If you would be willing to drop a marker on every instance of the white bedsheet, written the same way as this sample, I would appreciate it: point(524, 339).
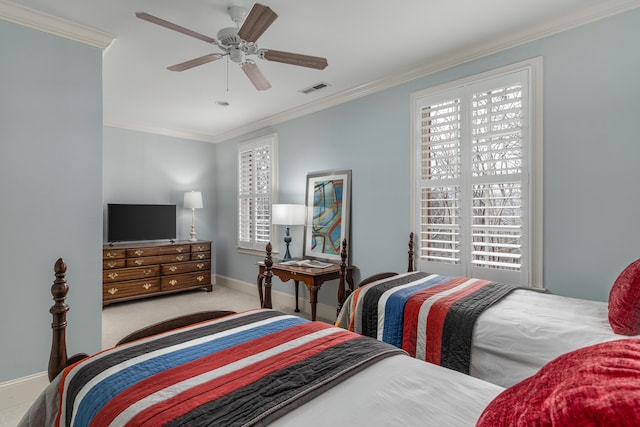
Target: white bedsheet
point(514, 338)
point(397, 391)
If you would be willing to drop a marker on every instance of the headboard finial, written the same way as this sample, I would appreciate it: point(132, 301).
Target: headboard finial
point(58, 358)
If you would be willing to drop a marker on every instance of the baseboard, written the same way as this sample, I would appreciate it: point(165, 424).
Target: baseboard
point(22, 390)
point(281, 299)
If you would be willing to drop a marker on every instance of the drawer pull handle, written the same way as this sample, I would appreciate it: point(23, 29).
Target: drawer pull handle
point(179, 250)
point(139, 262)
point(179, 257)
point(200, 266)
point(139, 252)
point(147, 286)
point(173, 282)
point(113, 276)
point(173, 269)
point(200, 256)
point(111, 254)
point(111, 264)
point(147, 271)
point(200, 248)
point(200, 278)
point(113, 291)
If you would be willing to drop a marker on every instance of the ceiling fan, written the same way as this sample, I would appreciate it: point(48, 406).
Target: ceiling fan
point(239, 43)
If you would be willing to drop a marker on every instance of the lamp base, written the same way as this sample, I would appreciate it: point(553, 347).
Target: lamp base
point(193, 226)
point(287, 240)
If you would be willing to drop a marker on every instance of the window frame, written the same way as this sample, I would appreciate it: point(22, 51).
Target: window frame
point(534, 243)
point(254, 246)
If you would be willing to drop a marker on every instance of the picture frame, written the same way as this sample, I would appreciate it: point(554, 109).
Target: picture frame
point(328, 203)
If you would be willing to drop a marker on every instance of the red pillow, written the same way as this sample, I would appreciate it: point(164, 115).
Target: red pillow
point(597, 385)
point(624, 301)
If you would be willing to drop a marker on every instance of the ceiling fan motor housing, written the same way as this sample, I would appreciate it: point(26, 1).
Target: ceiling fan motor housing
point(229, 36)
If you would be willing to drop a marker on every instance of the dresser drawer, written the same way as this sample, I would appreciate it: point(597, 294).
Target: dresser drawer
point(158, 250)
point(201, 247)
point(158, 259)
point(114, 263)
point(131, 288)
point(141, 270)
point(185, 267)
point(111, 253)
point(120, 274)
point(199, 256)
point(188, 280)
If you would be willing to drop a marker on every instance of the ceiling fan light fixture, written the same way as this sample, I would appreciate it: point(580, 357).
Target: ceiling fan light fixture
point(236, 55)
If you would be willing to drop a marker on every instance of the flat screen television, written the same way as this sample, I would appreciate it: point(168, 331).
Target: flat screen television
point(129, 222)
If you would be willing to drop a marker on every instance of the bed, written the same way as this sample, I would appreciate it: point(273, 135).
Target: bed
point(263, 367)
point(251, 368)
point(502, 335)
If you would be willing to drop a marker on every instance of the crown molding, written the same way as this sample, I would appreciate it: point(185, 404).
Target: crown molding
point(596, 12)
point(37, 20)
point(160, 131)
point(563, 23)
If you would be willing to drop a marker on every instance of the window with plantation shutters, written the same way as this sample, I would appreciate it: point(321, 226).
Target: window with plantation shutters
point(256, 187)
point(474, 176)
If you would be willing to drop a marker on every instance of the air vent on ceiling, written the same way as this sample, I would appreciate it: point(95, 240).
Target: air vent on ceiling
point(315, 88)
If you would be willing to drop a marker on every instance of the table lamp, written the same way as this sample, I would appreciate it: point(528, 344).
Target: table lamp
point(193, 201)
point(288, 215)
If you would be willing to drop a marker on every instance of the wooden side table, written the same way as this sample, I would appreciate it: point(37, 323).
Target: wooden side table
point(313, 278)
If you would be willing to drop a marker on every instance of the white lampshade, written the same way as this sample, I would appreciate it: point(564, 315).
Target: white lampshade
point(193, 200)
point(288, 214)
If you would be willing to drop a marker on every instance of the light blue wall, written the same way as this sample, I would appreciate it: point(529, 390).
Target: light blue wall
point(146, 168)
point(50, 187)
point(51, 169)
point(591, 206)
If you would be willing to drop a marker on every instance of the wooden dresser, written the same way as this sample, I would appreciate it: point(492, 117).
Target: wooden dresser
point(133, 271)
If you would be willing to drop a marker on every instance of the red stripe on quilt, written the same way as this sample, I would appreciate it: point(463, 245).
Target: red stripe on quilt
point(412, 311)
point(436, 316)
point(179, 405)
point(354, 304)
point(169, 409)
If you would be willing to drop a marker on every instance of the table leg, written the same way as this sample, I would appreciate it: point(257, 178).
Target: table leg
point(314, 301)
point(260, 278)
point(297, 310)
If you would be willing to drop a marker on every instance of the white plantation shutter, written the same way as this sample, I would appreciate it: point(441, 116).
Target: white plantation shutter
point(472, 207)
point(256, 187)
point(440, 182)
point(498, 147)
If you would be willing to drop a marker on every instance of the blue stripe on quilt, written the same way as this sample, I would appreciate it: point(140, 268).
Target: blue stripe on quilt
point(102, 392)
point(394, 309)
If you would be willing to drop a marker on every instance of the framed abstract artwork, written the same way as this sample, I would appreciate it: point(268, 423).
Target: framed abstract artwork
point(328, 202)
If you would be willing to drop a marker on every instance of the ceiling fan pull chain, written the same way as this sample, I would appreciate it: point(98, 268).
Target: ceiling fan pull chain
point(227, 73)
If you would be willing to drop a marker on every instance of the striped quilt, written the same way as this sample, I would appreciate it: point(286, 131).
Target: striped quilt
point(243, 369)
point(429, 316)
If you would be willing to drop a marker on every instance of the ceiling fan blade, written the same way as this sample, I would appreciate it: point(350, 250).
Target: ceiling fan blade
point(174, 27)
point(255, 75)
point(257, 22)
point(195, 62)
point(294, 59)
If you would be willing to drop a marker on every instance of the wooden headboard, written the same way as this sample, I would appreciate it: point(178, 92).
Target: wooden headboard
point(58, 359)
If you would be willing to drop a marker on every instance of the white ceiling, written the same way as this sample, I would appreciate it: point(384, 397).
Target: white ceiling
point(369, 44)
